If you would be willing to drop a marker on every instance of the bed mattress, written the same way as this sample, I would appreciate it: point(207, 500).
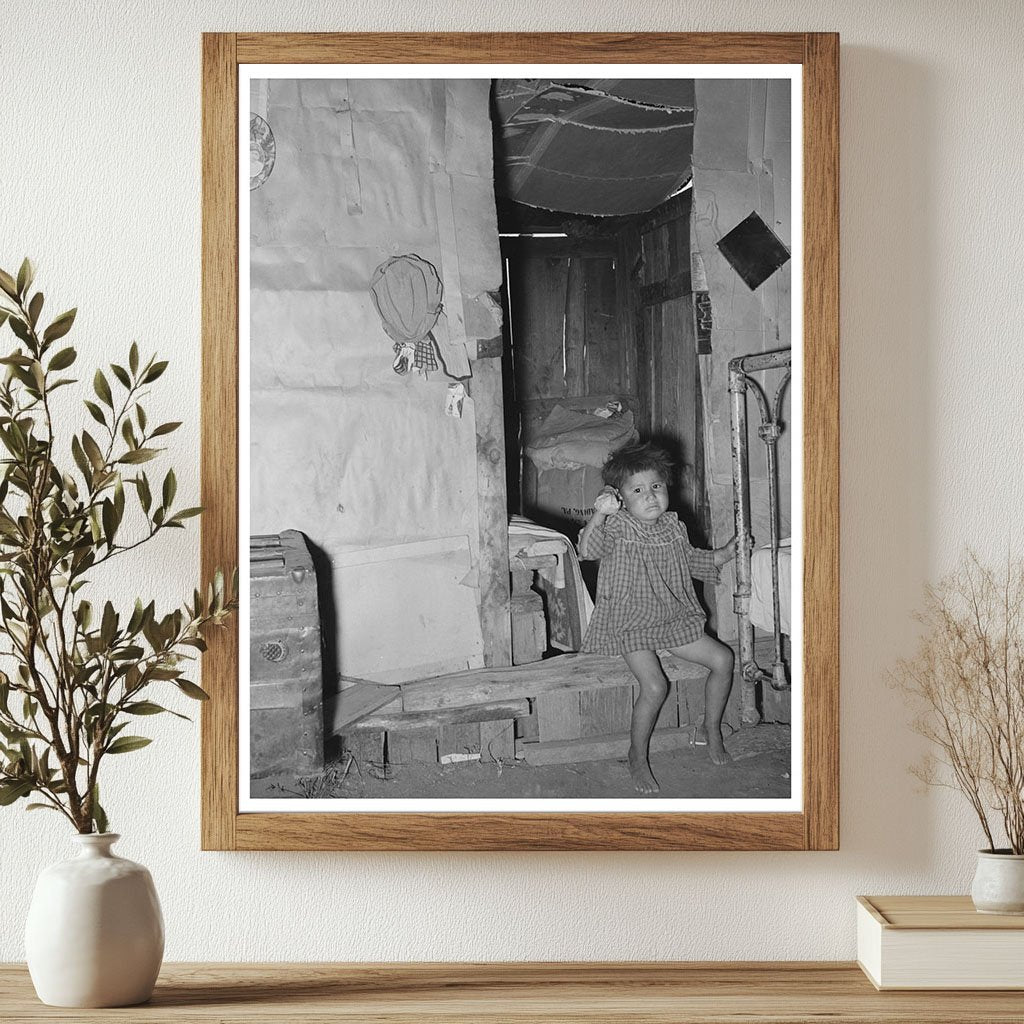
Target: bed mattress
point(761, 611)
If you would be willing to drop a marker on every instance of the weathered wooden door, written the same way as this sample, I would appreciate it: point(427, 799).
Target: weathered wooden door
point(566, 328)
point(668, 375)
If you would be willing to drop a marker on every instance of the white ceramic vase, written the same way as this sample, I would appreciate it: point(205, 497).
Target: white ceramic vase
point(999, 882)
point(95, 933)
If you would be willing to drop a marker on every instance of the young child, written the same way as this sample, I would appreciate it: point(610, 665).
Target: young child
point(645, 598)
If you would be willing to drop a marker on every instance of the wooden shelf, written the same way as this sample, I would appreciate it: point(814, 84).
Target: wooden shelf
point(699, 993)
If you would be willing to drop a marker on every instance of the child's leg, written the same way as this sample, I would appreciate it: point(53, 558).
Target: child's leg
point(719, 659)
point(653, 689)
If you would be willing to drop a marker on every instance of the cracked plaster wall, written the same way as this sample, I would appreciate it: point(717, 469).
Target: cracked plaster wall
point(741, 163)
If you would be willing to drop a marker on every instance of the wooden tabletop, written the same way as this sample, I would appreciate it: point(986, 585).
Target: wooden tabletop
point(793, 993)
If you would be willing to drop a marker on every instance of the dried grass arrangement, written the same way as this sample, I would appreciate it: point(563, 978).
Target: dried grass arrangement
point(967, 679)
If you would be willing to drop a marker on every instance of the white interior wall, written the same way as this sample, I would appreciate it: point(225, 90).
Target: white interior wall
point(342, 448)
point(741, 163)
point(101, 184)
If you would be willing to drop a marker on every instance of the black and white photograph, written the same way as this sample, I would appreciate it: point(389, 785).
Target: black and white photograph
point(520, 373)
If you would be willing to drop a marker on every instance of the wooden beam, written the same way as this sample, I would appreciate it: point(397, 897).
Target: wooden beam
point(473, 713)
point(597, 748)
point(495, 610)
point(560, 248)
point(673, 287)
point(675, 208)
point(355, 702)
point(574, 334)
point(564, 672)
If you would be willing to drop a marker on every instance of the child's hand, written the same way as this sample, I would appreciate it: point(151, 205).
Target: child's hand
point(726, 553)
point(607, 503)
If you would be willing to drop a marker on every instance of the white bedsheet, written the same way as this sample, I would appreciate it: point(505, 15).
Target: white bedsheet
point(761, 611)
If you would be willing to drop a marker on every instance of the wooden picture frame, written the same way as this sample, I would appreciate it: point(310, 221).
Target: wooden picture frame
point(816, 827)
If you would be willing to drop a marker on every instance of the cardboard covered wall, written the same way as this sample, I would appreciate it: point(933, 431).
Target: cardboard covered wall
point(741, 164)
point(358, 458)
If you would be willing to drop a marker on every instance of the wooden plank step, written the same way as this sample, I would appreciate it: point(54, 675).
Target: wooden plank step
point(355, 702)
point(473, 713)
point(498, 740)
point(564, 672)
point(412, 746)
point(596, 748)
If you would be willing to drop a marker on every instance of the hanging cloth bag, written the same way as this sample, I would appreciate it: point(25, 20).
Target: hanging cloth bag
point(407, 293)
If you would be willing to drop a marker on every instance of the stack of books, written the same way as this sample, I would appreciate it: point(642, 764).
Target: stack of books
point(938, 942)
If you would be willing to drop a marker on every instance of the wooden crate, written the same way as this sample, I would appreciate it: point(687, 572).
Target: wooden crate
point(286, 720)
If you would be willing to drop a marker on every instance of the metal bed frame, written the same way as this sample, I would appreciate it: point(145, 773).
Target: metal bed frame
point(769, 430)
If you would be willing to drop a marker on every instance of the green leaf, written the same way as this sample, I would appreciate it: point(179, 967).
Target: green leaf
point(99, 816)
point(133, 358)
point(14, 790)
point(128, 433)
point(95, 412)
point(102, 388)
point(108, 627)
point(138, 614)
point(144, 707)
point(170, 488)
point(60, 326)
point(83, 613)
point(154, 371)
point(109, 521)
point(191, 690)
point(80, 458)
point(139, 455)
point(185, 513)
point(121, 374)
point(125, 744)
point(129, 653)
point(170, 674)
point(26, 274)
point(41, 807)
point(119, 499)
point(140, 415)
point(92, 449)
point(8, 284)
point(145, 498)
point(63, 359)
point(20, 329)
point(165, 428)
point(34, 308)
point(12, 733)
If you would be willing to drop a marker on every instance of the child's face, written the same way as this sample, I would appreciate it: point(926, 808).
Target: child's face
point(645, 495)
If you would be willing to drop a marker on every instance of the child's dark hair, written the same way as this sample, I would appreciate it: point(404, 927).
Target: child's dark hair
point(636, 457)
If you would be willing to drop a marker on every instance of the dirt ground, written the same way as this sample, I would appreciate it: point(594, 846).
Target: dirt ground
point(760, 769)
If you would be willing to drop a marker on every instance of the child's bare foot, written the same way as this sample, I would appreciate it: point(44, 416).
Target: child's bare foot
point(643, 779)
point(714, 742)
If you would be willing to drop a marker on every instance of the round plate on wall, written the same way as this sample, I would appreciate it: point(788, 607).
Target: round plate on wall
point(262, 151)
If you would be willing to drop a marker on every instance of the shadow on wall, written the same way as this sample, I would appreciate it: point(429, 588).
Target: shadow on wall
point(325, 598)
point(889, 263)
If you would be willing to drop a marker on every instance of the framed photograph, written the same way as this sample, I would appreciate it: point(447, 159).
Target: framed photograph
point(520, 420)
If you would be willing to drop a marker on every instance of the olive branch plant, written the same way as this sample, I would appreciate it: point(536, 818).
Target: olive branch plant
point(79, 673)
point(967, 682)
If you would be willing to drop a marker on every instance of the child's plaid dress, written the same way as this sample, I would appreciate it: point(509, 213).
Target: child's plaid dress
point(645, 597)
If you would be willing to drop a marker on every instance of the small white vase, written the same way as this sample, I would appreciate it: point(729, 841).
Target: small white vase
point(95, 933)
point(999, 882)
